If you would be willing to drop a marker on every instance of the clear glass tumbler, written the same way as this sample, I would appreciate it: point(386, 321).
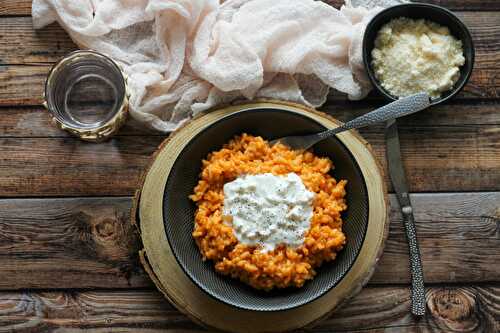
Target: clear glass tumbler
point(86, 93)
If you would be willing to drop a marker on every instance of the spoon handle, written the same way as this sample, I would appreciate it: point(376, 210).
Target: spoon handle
point(396, 109)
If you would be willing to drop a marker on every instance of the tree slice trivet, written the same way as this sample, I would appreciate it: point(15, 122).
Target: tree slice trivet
point(162, 266)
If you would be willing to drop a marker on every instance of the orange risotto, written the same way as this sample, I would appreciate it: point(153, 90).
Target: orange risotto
point(284, 266)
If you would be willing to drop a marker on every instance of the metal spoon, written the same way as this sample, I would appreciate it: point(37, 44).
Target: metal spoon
point(399, 108)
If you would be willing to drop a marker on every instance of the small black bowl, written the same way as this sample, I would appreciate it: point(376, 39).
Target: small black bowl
point(269, 123)
point(432, 13)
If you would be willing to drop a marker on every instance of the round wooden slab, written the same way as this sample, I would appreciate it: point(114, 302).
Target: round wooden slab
point(169, 277)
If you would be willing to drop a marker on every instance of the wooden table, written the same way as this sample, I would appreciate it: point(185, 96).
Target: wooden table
point(68, 255)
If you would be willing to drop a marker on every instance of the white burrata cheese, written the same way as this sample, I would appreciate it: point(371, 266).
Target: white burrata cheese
point(268, 210)
point(412, 56)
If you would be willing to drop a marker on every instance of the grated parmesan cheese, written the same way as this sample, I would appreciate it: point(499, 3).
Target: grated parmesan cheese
point(412, 56)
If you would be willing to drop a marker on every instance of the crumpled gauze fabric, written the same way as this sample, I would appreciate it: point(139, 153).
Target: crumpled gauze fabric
point(186, 56)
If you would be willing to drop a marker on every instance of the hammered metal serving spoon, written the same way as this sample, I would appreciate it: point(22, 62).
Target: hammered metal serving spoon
point(396, 109)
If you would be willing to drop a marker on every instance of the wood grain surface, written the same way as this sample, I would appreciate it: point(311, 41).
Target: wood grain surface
point(15, 7)
point(70, 244)
point(42, 46)
point(451, 158)
point(87, 242)
point(23, 85)
point(49, 44)
point(69, 167)
point(447, 148)
point(451, 309)
point(35, 122)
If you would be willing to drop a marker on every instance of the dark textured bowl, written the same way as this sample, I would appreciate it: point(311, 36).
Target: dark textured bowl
point(269, 123)
point(433, 13)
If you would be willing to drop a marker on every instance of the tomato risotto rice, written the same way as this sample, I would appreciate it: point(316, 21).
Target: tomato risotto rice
point(284, 266)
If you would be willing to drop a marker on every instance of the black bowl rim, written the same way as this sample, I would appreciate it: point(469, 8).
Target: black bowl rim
point(283, 308)
point(437, 8)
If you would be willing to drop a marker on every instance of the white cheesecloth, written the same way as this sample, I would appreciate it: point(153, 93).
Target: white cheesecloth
point(186, 56)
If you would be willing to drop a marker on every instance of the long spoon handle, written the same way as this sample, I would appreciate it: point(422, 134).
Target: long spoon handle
point(396, 109)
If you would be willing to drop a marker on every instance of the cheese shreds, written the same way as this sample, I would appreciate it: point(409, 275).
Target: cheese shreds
point(412, 56)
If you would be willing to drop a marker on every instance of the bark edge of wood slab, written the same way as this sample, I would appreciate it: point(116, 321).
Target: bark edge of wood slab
point(160, 262)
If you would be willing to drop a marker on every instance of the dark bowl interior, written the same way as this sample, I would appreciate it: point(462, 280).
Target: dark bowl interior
point(178, 210)
point(433, 13)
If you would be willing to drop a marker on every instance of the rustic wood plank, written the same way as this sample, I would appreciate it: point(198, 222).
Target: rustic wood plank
point(21, 85)
point(21, 44)
point(452, 229)
point(88, 242)
point(15, 7)
point(84, 242)
point(457, 309)
point(23, 7)
point(452, 158)
point(455, 113)
point(450, 309)
point(35, 121)
point(69, 167)
point(437, 159)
